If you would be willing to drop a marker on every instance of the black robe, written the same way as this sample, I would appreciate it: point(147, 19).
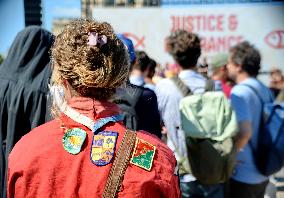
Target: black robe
point(24, 98)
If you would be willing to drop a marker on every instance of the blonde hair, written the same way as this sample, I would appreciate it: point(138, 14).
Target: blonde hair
point(92, 71)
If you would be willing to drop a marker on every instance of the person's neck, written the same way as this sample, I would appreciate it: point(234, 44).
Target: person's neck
point(136, 72)
point(242, 77)
point(148, 80)
point(189, 69)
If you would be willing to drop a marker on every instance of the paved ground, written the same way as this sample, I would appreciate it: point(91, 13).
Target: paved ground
point(275, 188)
point(280, 184)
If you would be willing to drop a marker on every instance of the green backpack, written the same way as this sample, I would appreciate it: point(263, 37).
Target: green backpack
point(209, 124)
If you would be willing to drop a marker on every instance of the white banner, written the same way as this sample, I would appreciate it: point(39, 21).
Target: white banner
point(219, 26)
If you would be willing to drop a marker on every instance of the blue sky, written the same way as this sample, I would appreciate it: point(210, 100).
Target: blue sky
point(12, 17)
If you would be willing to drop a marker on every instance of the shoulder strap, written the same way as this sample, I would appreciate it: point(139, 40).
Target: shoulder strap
point(129, 94)
point(271, 98)
point(119, 165)
point(181, 86)
point(255, 92)
point(210, 85)
point(137, 94)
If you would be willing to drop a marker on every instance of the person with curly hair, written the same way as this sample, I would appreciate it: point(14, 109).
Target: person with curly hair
point(86, 151)
point(243, 67)
point(185, 49)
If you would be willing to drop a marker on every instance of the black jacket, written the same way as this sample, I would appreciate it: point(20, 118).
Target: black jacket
point(24, 78)
point(148, 112)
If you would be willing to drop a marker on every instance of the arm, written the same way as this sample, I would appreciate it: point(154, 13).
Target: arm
point(166, 166)
point(244, 117)
point(15, 182)
point(244, 134)
point(169, 110)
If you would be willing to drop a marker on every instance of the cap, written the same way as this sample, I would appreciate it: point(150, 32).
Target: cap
point(219, 60)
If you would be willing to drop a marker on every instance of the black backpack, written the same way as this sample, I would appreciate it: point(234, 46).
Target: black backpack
point(126, 98)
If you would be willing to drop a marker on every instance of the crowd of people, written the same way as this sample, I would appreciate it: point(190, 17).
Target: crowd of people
point(85, 115)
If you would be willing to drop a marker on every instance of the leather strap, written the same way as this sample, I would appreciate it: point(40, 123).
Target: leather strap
point(181, 86)
point(209, 86)
point(120, 164)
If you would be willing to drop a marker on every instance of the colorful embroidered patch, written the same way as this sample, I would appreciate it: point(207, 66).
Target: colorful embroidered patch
point(143, 154)
point(103, 147)
point(73, 140)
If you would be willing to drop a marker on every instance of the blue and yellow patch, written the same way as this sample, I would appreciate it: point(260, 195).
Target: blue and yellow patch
point(103, 147)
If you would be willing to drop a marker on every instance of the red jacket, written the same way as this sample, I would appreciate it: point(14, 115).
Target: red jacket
point(40, 167)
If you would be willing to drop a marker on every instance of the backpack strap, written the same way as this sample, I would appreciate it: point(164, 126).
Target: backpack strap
point(119, 165)
point(129, 94)
point(135, 92)
point(181, 86)
point(209, 85)
point(257, 93)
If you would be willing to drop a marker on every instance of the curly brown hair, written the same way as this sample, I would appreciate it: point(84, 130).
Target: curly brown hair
point(92, 70)
point(246, 55)
point(184, 47)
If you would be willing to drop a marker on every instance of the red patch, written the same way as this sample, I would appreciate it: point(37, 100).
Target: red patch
point(142, 147)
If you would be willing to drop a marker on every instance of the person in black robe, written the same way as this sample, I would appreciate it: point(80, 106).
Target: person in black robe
point(24, 93)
